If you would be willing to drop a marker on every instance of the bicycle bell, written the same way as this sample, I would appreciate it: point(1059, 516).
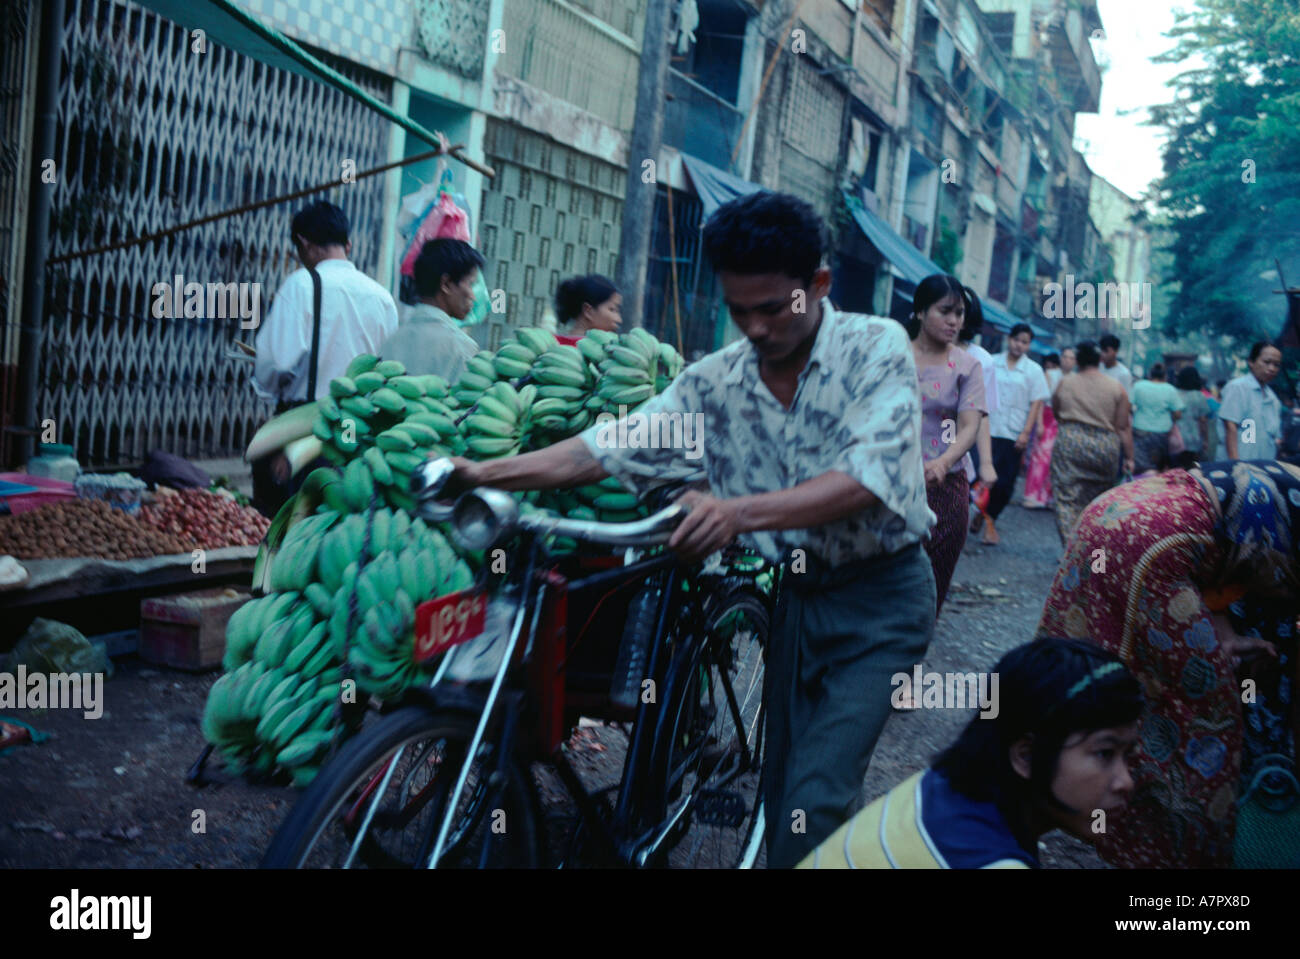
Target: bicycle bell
point(483, 517)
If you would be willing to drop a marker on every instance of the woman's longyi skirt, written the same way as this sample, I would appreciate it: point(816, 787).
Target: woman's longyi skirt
point(950, 501)
point(1085, 460)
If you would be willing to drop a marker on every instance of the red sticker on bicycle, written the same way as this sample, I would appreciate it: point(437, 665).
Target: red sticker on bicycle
point(449, 621)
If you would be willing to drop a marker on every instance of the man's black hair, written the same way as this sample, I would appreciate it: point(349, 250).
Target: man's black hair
point(1087, 355)
point(1110, 342)
point(1157, 372)
point(444, 257)
point(1054, 358)
point(321, 223)
point(766, 232)
point(1020, 328)
point(1188, 379)
point(1049, 689)
point(1258, 348)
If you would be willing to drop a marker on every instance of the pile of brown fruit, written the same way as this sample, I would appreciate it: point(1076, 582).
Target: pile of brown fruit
point(84, 527)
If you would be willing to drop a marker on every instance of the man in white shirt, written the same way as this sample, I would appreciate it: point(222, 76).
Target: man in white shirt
point(429, 341)
point(1251, 411)
point(1022, 390)
point(1110, 364)
point(356, 316)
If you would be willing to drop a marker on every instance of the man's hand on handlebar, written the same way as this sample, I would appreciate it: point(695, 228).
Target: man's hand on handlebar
point(710, 524)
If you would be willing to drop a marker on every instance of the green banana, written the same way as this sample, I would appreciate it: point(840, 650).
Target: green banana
point(390, 401)
point(539, 341)
point(392, 441)
point(510, 369)
point(379, 469)
point(367, 382)
point(390, 368)
point(363, 363)
point(342, 386)
point(492, 446)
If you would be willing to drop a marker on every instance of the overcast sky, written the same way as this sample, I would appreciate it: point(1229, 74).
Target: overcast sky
point(1114, 141)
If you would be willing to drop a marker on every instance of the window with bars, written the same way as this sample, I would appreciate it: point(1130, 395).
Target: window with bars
point(813, 116)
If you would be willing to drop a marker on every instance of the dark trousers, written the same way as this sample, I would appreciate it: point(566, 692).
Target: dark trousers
point(1006, 462)
point(838, 638)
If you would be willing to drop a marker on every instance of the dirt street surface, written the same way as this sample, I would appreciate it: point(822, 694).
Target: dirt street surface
point(111, 792)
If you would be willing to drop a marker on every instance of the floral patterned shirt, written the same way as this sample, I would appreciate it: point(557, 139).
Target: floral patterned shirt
point(856, 409)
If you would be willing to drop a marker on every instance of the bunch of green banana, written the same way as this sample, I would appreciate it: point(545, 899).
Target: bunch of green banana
point(478, 377)
point(256, 712)
point(565, 406)
point(415, 564)
point(496, 425)
point(608, 501)
point(629, 372)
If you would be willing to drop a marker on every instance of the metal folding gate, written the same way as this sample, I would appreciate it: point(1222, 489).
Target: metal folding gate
point(152, 134)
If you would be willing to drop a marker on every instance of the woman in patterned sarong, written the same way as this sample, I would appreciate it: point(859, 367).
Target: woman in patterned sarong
point(1183, 575)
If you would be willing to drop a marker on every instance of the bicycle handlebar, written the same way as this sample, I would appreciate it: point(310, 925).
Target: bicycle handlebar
point(485, 514)
point(651, 531)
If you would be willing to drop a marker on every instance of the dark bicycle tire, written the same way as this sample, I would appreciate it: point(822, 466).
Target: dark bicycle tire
point(682, 769)
point(315, 824)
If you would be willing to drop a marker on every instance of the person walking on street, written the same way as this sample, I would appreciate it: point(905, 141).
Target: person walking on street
point(979, 459)
point(1022, 390)
point(1038, 480)
point(585, 303)
point(1194, 424)
point(814, 419)
point(430, 342)
point(1251, 412)
point(1156, 406)
point(1092, 411)
point(356, 315)
point(952, 406)
point(1110, 364)
point(1069, 363)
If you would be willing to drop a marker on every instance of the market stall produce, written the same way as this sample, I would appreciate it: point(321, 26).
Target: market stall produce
point(344, 566)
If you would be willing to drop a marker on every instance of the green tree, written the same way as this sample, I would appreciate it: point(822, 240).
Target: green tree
point(1230, 194)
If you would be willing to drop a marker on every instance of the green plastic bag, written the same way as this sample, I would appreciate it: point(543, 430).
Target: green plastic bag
point(49, 646)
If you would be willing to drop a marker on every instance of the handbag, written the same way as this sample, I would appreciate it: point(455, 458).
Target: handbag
point(1268, 817)
point(1176, 444)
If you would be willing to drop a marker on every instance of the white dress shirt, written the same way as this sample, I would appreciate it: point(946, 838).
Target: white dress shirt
point(1019, 386)
point(356, 316)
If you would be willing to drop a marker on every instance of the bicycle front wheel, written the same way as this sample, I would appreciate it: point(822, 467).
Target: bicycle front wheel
point(382, 800)
point(715, 760)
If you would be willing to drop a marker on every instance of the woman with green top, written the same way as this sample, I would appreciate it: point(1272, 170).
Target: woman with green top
point(1156, 404)
point(1194, 424)
point(1055, 756)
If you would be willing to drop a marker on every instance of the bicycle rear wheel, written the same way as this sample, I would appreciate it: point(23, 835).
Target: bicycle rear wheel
point(715, 760)
point(380, 802)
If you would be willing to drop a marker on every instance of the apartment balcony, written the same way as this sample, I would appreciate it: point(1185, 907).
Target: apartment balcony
point(699, 122)
point(1072, 59)
point(573, 56)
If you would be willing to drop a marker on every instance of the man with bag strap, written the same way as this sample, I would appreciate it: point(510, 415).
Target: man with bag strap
point(323, 316)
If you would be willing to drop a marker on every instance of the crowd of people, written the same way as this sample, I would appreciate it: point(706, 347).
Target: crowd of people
point(861, 443)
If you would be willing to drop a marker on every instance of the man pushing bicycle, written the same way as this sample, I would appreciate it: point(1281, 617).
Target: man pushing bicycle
point(813, 455)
